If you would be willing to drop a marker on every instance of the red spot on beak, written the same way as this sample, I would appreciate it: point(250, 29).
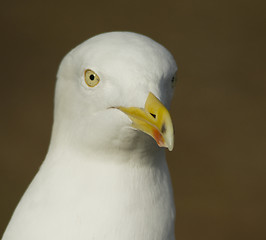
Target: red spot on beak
point(158, 137)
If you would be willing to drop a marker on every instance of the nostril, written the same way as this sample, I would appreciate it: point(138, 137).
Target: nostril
point(154, 115)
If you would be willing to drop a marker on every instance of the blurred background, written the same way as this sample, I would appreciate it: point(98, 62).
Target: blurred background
point(218, 165)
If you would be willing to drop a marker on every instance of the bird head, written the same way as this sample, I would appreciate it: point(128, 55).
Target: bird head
point(114, 90)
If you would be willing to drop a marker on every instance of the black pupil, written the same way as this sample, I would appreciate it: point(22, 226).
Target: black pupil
point(92, 77)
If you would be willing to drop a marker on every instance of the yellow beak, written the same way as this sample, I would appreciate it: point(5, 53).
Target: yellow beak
point(153, 120)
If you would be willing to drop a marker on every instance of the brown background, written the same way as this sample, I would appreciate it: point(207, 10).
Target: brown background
point(218, 165)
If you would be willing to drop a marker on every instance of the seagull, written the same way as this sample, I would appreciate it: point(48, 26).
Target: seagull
point(105, 176)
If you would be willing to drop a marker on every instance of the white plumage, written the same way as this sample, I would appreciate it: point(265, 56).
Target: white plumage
point(102, 177)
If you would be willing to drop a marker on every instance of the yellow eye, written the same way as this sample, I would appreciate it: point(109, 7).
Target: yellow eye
point(91, 78)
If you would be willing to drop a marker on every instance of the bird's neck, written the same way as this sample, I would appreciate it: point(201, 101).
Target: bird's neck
point(137, 156)
point(96, 190)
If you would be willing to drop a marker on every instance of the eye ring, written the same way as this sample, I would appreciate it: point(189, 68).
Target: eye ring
point(91, 78)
